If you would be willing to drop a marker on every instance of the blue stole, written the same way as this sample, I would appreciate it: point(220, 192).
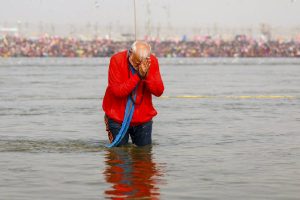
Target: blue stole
point(127, 116)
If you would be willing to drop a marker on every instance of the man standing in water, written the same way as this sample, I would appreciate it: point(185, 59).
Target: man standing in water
point(133, 76)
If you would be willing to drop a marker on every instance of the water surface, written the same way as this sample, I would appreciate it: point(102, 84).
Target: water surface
point(226, 129)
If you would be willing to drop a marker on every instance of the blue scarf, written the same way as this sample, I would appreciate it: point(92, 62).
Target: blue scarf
point(127, 116)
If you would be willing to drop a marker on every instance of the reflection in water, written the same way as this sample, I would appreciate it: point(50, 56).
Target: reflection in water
point(132, 173)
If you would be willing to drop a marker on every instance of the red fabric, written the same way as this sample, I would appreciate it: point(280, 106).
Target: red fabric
point(121, 83)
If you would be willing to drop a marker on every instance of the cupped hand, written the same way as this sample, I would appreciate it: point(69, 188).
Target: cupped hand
point(144, 67)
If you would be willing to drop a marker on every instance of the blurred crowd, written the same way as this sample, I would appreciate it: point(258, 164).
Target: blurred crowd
point(239, 46)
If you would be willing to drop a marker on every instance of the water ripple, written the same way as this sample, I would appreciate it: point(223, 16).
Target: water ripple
point(50, 146)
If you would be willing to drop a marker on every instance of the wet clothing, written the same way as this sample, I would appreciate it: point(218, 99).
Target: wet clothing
point(140, 134)
point(121, 83)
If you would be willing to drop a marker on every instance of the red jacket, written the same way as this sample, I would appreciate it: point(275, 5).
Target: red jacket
point(121, 82)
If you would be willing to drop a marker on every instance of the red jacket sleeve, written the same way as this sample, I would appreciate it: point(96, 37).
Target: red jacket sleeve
point(116, 83)
point(154, 81)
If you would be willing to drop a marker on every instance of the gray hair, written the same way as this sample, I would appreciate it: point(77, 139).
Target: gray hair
point(142, 53)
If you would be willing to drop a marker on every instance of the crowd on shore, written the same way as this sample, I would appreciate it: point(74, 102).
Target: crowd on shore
point(239, 46)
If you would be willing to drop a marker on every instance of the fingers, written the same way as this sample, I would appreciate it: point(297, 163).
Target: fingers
point(146, 62)
point(144, 66)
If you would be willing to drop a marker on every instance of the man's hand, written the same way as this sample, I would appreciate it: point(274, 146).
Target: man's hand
point(144, 67)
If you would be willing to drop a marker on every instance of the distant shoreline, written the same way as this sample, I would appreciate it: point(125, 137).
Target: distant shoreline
point(205, 46)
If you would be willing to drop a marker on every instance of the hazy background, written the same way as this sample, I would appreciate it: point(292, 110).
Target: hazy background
point(155, 17)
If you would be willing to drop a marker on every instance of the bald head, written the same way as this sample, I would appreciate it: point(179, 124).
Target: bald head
point(141, 49)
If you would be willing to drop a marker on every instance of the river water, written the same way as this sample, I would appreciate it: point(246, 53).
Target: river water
point(226, 129)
